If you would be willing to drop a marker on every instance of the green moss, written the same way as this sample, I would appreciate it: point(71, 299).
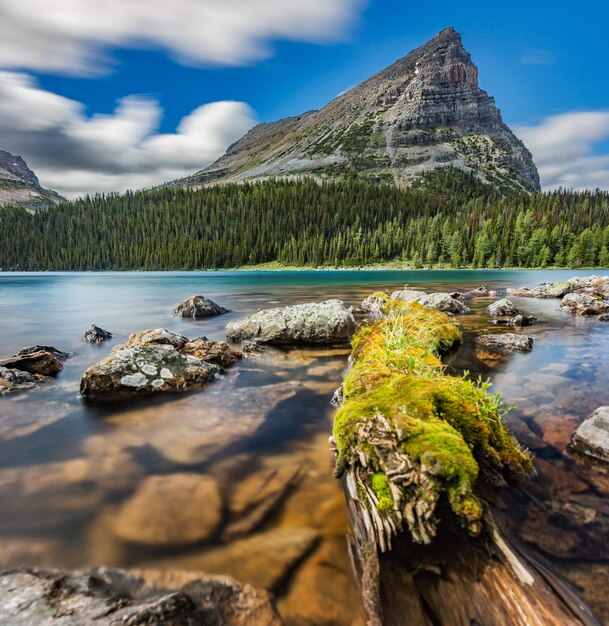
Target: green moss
point(382, 490)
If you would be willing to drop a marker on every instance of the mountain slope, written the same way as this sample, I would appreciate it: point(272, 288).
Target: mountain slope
point(19, 185)
point(424, 111)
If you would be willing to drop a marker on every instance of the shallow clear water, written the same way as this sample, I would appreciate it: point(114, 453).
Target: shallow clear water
point(67, 470)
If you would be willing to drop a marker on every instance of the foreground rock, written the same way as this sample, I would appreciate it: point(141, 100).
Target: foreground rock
point(95, 334)
point(179, 509)
point(592, 437)
point(108, 597)
point(583, 304)
point(517, 320)
point(507, 341)
point(502, 307)
point(41, 363)
point(198, 306)
point(326, 322)
point(155, 361)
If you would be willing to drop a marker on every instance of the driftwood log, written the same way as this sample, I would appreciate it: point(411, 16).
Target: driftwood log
point(424, 547)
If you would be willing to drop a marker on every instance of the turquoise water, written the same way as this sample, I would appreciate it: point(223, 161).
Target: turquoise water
point(66, 468)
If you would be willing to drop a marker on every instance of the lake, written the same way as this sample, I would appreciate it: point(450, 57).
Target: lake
point(69, 471)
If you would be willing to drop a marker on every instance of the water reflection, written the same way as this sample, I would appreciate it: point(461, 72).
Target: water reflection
point(69, 473)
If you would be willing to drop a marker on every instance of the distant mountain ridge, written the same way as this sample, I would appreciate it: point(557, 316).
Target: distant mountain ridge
point(424, 111)
point(19, 184)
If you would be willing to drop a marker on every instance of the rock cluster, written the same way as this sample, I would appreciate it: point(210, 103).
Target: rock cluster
point(155, 361)
point(198, 306)
point(326, 322)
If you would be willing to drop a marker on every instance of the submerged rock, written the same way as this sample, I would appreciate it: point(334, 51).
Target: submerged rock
point(501, 308)
point(198, 306)
point(41, 363)
point(155, 361)
point(583, 304)
point(95, 334)
point(592, 436)
point(517, 320)
point(178, 509)
point(508, 341)
point(108, 597)
point(326, 322)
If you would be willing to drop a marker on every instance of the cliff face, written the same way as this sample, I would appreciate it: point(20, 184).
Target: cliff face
point(19, 185)
point(424, 111)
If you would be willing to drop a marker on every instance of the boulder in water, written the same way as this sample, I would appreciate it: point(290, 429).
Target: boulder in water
point(517, 320)
point(41, 363)
point(583, 304)
point(95, 334)
point(604, 317)
point(508, 341)
point(443, 302)
point(198, 306)
point(592, 436)
point(501, 308)
point(408, 295)
point(326, 322)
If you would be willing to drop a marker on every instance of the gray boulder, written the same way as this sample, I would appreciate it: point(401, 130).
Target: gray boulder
point(501, 308)
point(326, 322)
point(95, 334)
point(408, 295)
point(108, 597)
point(507, 341)
point(583, 304)
point(517, 320)
point(16, 380)
point(198, 306)
point(374, 303)
point(592, 436)
point(156, 361)
point(545, 290)
point(443, 302)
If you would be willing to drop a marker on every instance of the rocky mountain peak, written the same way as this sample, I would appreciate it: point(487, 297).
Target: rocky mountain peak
point(424, 111)
point(13, 165)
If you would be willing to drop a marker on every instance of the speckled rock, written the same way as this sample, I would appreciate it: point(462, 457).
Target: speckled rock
point(583, 304)
point(326, 322)
point(198, 306)
point(153, 361)
point(178, 509)
point(16, 380)
point(502, 307)
point(108, 597)
point(508, 341)
point(218, 352)
point(443, 302)
point(592, 436)
point(95, 334)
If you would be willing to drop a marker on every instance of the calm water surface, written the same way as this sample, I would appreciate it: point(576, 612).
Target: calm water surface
point(68, 471)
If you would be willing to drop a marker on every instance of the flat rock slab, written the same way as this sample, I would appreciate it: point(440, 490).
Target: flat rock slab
point(178, 509)
point(507, 341)
point(198, 306)
point(326, 322)
point(592, 436)
point(107, 597)
point(584, 304)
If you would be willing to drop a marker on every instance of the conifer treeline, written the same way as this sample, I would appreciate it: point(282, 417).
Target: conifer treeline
point(446, 218)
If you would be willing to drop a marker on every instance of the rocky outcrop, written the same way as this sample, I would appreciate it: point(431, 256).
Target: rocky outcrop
point(583, 304)
point(595, 284)
point(592, 436)
point(507, 341)
point(502, 308)
point(18, 184)
point(155, 361)
point(108, 597)
point(423, 112)
point(198, 306)
point(95, 334)
point(172, 510)
point(326, 322)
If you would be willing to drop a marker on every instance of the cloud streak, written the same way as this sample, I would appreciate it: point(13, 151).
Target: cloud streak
point(563, 149)
point(74, 36)
point(75, 154)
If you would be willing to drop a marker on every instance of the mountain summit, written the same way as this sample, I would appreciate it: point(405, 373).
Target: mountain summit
point(424, 111)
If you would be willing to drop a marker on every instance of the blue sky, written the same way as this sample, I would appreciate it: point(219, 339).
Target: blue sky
point(544, 62)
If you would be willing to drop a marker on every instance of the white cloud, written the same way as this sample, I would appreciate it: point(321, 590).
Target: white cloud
point(75, 154)
point(74, 36)
point(563, 149)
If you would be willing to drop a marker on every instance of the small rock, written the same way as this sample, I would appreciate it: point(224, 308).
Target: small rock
point(198, 306)
point(604, 317)
point(508, 341)
point(327, 322)
point(478, 292)
point(95, 334)
point(41, 363)
point(582, 304)
point(592, 436)
point(517, 320)
point(501, 308)
point(178, 509)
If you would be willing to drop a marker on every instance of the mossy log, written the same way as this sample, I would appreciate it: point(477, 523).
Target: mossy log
point(416, 450)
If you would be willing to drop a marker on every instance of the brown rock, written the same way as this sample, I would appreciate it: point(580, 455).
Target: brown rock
point(178, 509)
point(41, 363)
point(217, 352)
